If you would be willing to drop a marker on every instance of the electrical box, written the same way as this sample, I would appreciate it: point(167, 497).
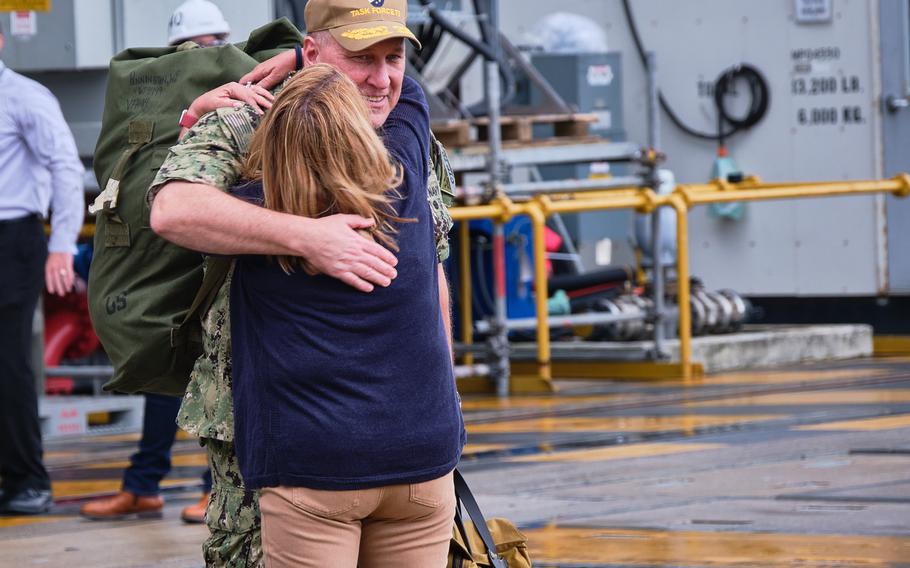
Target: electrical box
point(591, 82)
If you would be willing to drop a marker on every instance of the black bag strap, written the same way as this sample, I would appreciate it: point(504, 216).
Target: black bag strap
point(215, 275)
point(458, 557)
point(466, 498)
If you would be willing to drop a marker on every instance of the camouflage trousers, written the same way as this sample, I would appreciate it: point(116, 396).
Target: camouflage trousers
point(235, 536)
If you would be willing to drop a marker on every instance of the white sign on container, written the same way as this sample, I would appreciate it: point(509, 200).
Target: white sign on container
point(814, 11)
point(23, 24)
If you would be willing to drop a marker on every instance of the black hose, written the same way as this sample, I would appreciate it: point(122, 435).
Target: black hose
point(757, 86)
point(759, 98)
point(448, 26)
point(483, 49)
point(482, 23)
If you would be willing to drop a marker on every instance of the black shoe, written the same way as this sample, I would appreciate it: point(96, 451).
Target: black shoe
point(28, 502)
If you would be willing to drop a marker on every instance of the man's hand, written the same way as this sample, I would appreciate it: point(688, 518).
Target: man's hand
point(232, 95)
point(337, 250)
point(202, 217)
point(58, 273)
point(272, 71)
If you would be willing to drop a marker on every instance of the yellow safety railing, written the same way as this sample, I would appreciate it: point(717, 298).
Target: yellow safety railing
point(683, 198)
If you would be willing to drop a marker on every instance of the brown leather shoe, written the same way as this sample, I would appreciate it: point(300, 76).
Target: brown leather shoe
point(121, 506)
point(195, 513)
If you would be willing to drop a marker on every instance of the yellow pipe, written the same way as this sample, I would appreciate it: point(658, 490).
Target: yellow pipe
point(467, 315)
point(493, 210)
point(682, 278)
point(698, 194)
point(637, 201)
point(593, 194)
point(644, 201)
point(539, 223)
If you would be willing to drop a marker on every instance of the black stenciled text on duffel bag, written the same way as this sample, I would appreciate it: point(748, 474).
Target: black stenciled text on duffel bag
point(145, 294)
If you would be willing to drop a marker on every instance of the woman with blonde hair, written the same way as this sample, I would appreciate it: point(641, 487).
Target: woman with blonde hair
point(346, 412)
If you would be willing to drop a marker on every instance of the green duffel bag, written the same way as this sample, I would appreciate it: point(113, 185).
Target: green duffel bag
point(479, 543)
point(146, 294)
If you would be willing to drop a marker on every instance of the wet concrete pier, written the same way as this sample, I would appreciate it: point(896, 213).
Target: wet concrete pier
point(803, 466)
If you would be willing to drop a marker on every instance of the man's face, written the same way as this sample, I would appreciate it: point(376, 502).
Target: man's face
point(377, 71)
point(208, 40)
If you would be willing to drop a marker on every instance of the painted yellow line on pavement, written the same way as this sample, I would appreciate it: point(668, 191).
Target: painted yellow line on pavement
point(56, 456)
point(134, 437)
point(84, 487)
point(614, 423)
point(866, 396)
point(714, 549)
point(197, 459)
point(9, 522)
point(542, 402)
point(864, 424)
point(88, 487)
point(784, 377)
point(628, 451)
point(478, 448)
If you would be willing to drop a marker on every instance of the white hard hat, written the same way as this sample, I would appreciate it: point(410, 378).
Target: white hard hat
point(195, 18)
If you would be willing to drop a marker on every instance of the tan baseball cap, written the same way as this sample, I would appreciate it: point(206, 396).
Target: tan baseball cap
point(358, 24)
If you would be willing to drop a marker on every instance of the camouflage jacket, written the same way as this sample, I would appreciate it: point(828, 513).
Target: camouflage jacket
point(211, 153)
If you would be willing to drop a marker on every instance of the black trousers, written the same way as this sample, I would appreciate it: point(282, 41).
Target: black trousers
point(152, 462)
point(23, 252)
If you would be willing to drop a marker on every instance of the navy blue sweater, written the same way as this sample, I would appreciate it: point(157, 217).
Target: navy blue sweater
point(338, 389)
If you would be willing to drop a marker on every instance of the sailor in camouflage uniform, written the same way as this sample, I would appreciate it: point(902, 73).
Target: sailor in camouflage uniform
point(211, 153)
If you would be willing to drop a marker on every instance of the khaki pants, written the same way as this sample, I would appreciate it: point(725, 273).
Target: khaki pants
point(391, 526)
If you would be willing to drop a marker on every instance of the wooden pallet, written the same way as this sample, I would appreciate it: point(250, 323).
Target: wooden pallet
point(458, 133)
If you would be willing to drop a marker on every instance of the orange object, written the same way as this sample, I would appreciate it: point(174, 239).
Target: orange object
point(195, 513)
point(121, 506)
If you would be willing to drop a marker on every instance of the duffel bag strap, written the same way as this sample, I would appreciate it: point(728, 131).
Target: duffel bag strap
point(140, 134)
point(215, 275)
point(466, 498)
point(458, 557)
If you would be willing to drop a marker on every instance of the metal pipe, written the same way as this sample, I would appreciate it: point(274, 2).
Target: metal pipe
point(494, 99)
point(494, 210)
point(465, 371)
point(80, 371)
point(119, 24)
point(574, 185)
point(501, 341)
point(653, 105)
point(700, 194)
point(473, 160)
point(658, 285)
point(636, 201)
point(475, 348)
point(523, 324)
point(656, 260)
point(563, 232)
point(682, 198)
point(465, 288)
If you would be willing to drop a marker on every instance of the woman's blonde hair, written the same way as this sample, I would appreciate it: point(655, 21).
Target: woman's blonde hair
point(317, 154)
